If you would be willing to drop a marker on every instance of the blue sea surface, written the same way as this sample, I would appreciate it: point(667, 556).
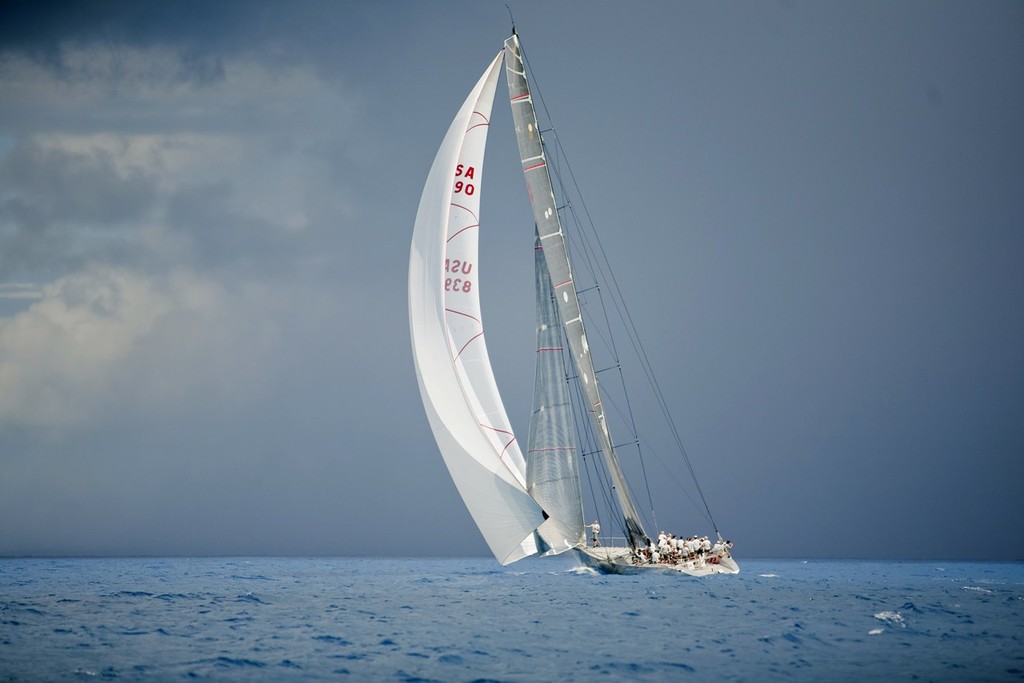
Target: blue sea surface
point(281, 619)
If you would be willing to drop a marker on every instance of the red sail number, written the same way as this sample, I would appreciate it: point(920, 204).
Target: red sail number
point(461, 186)
point(457, 285)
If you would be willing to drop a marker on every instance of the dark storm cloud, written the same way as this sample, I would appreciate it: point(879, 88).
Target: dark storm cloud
point(43, 25)
point(277, 31)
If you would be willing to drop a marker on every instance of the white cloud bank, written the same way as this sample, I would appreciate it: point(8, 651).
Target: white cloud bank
point(108, 341)
point(160, 208)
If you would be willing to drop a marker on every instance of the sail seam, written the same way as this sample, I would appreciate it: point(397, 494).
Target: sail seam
point(477, 125)
point(465, 208)
point(500, 431)
point(467, 315)
point(472, 339)
point(475, 225)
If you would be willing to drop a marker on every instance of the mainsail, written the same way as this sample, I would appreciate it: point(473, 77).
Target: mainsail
point(456, 383)
point(549, 227)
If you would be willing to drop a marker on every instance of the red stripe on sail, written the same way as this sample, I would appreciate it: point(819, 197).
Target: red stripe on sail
point(475, 225)
point(501, 431)
point(477, 125)
point(475, 337)
point(467, 209)
point(467, 315)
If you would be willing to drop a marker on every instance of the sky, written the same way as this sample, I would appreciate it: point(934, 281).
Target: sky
point(814, 210)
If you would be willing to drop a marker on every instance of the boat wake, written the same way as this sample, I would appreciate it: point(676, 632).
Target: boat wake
point(583, 571)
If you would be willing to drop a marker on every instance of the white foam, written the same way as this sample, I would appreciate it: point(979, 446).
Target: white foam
point(894, 618)
point(582, 570)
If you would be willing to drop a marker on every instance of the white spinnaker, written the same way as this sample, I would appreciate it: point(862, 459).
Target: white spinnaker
point(456, 383)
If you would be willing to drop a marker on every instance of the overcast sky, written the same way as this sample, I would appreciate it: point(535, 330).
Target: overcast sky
point(816, 211)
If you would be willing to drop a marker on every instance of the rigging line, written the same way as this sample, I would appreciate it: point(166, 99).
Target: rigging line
point(675, 479)
point(590, 484)
point(609, 399)
point(536, 91)
point(603, 332)
point(587, 445)
point(629, 405)
point(634, 338)
point(609, 501)
point(593, 266)
point(592, 449)
point(571, 242)
point(559, 149)
point(610, 453)
point(639, 450)
point(534, 85)
point(642, 444)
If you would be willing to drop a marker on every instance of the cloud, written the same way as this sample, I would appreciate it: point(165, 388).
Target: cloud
point(19, 290)
point(110, 341)
point(172, 208)
point(141, 162)
point(102, 86)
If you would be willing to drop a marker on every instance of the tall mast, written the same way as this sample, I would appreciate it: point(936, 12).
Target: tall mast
point(549, 227)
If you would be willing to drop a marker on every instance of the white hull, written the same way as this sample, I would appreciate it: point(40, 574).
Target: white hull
point(620, 560)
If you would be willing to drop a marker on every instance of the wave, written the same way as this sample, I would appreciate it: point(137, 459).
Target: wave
point(892, 618)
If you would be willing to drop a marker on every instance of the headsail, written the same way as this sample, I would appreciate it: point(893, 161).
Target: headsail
point(538, 181)
point(455, 378)
point(552, 461)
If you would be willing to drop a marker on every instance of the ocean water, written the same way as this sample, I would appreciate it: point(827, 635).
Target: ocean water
point(284, 619)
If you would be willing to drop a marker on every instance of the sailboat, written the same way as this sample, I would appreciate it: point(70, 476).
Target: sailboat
point(524, 504)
